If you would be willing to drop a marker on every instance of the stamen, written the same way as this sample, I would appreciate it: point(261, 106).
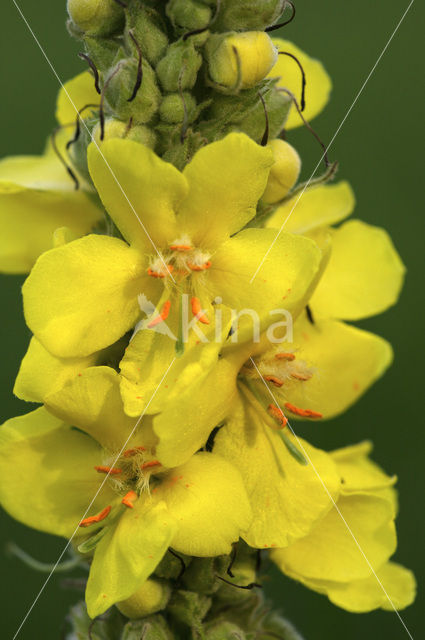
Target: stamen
point(197, 267)
point(162, 316)
point(303, 377)
point(111, 470)
point(160, 274)
point(197, 310)
point(87, 522)
point(278, 414)
point(274, 380)
point(129, 498)
point(303, 413)
point(150, 464)
point(132, 452)
point(285, 356)
point(181, 247)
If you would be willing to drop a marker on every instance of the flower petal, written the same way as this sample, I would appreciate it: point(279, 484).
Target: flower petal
point(318, 206)
point(287, 498)
point(364, 275)
point(82, 297)
point(185, 424)
point(337, 548)
point(344, 361)
point(283, 282)
point(74, 95)
point(42, 373)
point(36, 197)
point(127, 554)
point(318, 82)
point(47, 475)
point(92, 402)
point(140, 191)
point(151, 371)
point(226, 180)
point(207, 498)
point(358, 472)
point(398, 589)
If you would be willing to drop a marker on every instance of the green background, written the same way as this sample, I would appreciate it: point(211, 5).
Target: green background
point(380, 152)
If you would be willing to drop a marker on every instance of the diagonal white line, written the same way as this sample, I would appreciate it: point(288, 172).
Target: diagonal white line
point(333, 138)
point(91, 503)
point(91, 136)
point(332, 500)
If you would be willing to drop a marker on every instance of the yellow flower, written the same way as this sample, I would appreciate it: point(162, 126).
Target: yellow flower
point(318, 86)
point(50, 472)
point(328, 559)
point(37, 196)
point(83, 296)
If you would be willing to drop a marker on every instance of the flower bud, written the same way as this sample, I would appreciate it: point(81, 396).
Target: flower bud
point(150, 598)
point(118, 129)
point(96, 17)
point(120, 87)
point(284, 172)
point(223, 629)
point(188, 14)
point(146, 26)
point(244, 15)
point(240, 60)
point(174, 108)
point(179, 68)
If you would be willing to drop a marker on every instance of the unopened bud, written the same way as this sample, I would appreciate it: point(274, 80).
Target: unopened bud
point(96, 17)
point(120, 88)
point(146, 25)
point(244, 15)
point(150, 598)
point(118, 129)
point(222, 629)
point(177, 107)
point(178, 70)
point(240, 60)
point(188, 14)
point(151, 628)
point(284, 172)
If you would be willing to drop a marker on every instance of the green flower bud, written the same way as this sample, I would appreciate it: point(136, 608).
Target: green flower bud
point(118, 129)
point(188, 607)
point(179, 68)
point(175, 107)
point(277, 106)
point(284, 173)
point(223, 630)
point(96, 17)
point(120, 87)
point(152, 628)
point(103, 52)
point(188, 15)
point(201, 575)
point(240, 60)
point(244, 15)
point(151, 597)
point(170, 567)
point(146, 26)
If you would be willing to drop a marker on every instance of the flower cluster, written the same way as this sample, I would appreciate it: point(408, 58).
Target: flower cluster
point(189, 305)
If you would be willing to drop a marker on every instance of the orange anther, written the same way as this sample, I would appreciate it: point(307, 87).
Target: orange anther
point(151, 463)
point(303, 377)
point(160, 274)
point(303, 413)
point(87, 522)
point(162, 316)
point(129, 498)
point(180, 247)
point(197, 267)
point(278, 415)
point(275, 380)
point(197, 309)
point(132, 452)
point(285, 356)
point(111, 470)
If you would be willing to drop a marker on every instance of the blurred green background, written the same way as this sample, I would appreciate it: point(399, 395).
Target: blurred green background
point(381, 153)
